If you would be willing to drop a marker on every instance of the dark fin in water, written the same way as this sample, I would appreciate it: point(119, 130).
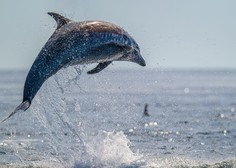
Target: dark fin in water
point(145, 112)
point(61, 20)
point(23, 106)
point(99, 67)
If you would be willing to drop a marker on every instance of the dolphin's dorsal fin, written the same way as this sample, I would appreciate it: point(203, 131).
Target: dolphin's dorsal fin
point(99, 67)
point(61, 20)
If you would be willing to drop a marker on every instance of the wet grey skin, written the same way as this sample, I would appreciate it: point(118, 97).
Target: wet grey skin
point(75, 43)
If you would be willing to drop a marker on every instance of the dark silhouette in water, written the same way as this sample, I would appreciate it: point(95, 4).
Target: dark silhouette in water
point(75, 43)
point(145, 112)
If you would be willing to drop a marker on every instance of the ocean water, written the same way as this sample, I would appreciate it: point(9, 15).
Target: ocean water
point(80, 120)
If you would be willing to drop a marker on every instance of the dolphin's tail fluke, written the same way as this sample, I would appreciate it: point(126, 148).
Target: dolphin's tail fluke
point(23, 106)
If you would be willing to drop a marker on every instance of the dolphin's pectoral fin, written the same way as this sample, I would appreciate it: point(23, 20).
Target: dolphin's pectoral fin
point(23, 106)
point(99, 67)
point(61, 20)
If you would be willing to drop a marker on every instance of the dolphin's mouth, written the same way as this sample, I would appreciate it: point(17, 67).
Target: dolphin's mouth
point(141, 61)
point(137, 58)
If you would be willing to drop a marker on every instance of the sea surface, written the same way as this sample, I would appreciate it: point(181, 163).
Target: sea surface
point(79, 120)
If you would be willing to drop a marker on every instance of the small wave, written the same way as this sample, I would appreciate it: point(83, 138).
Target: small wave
point(178, 162)
point(110, 149)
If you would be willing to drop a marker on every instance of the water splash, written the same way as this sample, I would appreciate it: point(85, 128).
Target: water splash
point(110, 149)
point(59, 124)
point(63, 128)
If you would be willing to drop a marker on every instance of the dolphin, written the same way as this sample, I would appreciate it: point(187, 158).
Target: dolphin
point(75, 43)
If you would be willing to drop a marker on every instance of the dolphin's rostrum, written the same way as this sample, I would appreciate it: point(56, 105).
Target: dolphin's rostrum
point(75, 43)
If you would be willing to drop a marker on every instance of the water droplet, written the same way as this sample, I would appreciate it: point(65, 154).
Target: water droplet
point(232, 109)
point(131, 130)
point(3, 144)
point(225, 132)
point(222, 115)
point(22, 144)
point(164, 132)
point(151, 124)
point(186, 90)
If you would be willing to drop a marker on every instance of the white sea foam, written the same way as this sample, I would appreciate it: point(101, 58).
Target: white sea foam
point(110, 149)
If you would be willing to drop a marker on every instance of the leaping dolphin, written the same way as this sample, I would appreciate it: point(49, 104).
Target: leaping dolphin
point(75, 43)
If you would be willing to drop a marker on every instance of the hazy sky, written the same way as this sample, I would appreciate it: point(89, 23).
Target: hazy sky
point(170, 33)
